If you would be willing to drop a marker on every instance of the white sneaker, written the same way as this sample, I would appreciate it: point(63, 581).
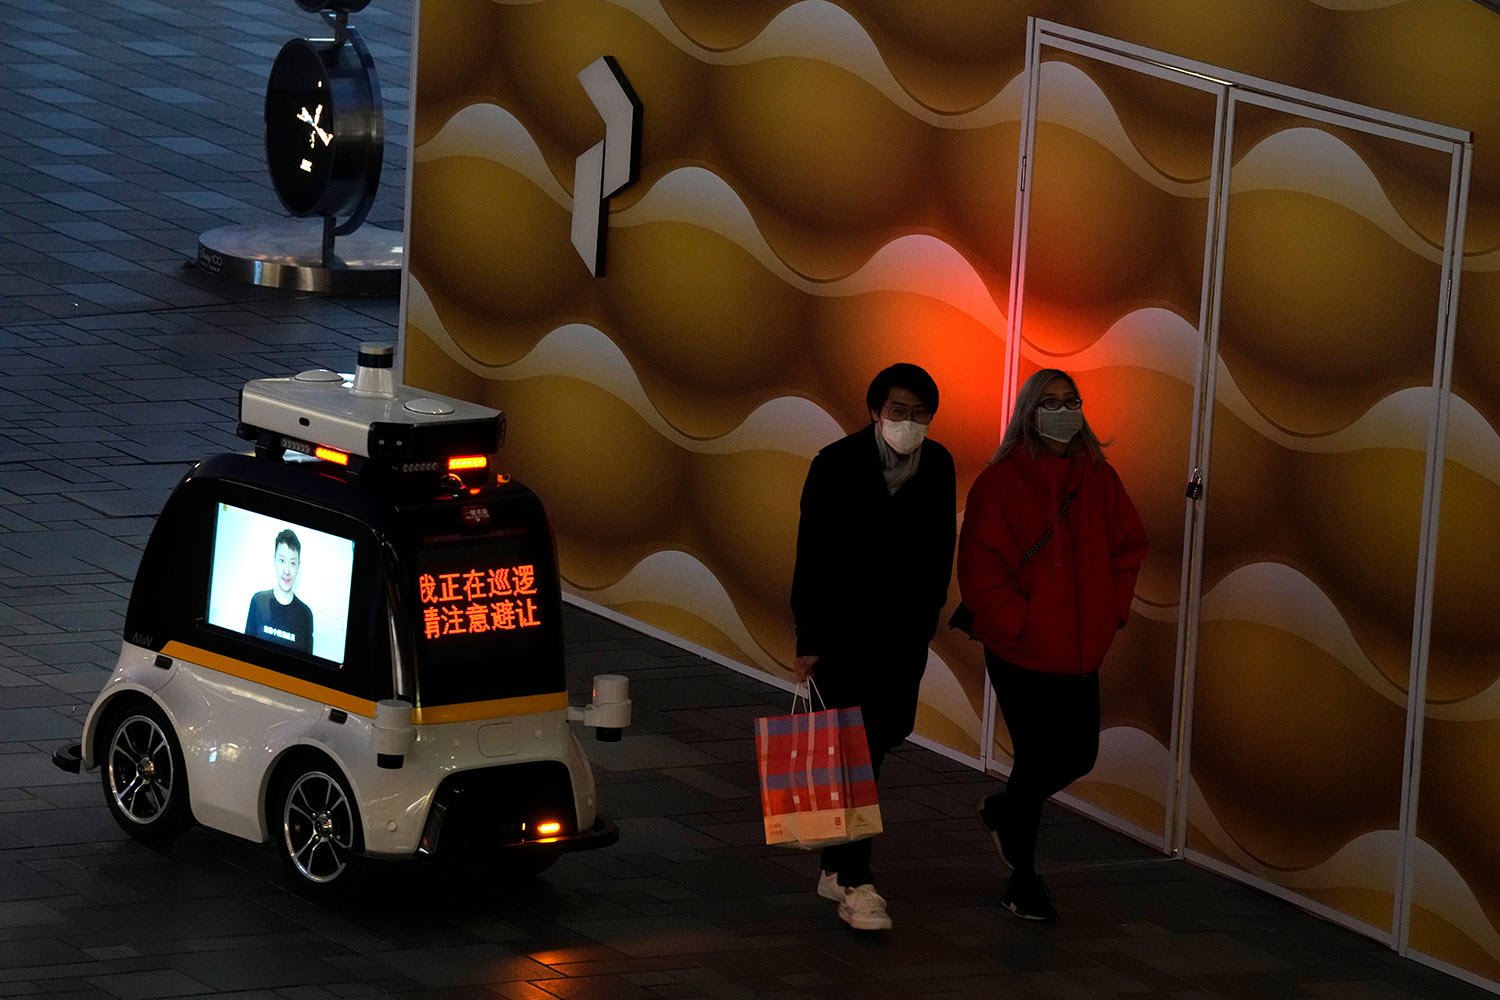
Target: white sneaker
point(829, 888)
point(863, 909)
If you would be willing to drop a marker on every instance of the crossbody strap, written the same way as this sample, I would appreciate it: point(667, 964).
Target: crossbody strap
point(1047, 535)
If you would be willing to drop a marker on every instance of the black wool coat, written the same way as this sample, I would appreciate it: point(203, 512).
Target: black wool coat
point(872, 577)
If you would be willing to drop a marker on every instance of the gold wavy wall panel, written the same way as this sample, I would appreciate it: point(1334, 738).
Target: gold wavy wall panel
point(829, 186)
point(1456, 905)
point(792, 287)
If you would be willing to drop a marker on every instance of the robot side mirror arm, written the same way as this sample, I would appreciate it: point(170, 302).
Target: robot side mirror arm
point(393, 732)
point(609, 712)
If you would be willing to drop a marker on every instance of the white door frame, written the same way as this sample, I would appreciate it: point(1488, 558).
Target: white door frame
point(1234, 89)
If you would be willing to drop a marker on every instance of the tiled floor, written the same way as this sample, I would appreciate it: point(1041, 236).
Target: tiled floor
point(129, 127)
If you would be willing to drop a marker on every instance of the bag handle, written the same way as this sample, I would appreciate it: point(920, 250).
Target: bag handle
point(812, 690)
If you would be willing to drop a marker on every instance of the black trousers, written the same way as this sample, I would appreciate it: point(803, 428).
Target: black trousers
point(851, 862)
point(1054, 732)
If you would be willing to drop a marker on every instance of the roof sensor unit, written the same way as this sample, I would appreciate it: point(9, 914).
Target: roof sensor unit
point(366, 415)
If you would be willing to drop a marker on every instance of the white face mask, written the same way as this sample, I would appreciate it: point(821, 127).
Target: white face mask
point(1059, 425)
point(903, 435)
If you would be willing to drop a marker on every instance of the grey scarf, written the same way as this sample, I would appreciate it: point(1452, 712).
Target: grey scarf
point(896, 468)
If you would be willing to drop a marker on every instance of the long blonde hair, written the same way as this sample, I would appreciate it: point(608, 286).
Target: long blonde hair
point(1022, 426)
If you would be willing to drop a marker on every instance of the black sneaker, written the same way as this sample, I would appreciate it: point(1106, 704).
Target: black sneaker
point(1027, 898)
point(990, 817)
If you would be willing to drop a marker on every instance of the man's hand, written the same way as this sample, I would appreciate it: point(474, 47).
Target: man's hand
point(803, 667)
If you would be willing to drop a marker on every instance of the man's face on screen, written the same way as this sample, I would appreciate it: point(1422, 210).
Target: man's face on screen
point(288, 562)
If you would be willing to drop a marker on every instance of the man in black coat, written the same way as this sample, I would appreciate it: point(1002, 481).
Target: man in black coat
point(874, 556)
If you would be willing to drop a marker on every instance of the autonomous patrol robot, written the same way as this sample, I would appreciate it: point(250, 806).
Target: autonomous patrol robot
point(349, 643)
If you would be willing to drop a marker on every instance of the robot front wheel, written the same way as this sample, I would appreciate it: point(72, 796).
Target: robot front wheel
point(315, 825)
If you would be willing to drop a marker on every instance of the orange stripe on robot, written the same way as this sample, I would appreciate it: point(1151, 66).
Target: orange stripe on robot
point(433, 715)
point(270, 678)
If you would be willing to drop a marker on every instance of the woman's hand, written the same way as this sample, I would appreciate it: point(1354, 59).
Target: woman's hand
point(803, 667)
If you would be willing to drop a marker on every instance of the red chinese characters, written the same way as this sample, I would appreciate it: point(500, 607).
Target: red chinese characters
point(487, 599)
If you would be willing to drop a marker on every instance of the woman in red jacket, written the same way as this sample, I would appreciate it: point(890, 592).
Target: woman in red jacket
point(1047, 561)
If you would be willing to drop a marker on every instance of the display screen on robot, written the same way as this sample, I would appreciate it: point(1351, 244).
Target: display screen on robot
point(281, 583)
point(479, 600)
point(471, 596)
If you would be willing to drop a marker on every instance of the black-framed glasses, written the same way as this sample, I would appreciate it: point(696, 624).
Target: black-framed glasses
point(1051, 403)
point(897, 412)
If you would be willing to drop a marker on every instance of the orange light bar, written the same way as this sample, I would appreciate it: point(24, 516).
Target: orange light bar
point(460, 462)
point(548, 828)
point(331, 455)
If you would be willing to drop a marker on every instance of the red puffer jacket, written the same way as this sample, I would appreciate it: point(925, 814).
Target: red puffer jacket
point(1059, 612)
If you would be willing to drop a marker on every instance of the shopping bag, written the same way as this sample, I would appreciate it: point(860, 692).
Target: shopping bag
point(816, 784)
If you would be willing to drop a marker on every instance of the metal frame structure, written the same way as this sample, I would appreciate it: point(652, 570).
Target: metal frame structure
point(1233, 90)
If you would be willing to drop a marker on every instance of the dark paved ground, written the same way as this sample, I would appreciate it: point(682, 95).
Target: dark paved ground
point(129, 127)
